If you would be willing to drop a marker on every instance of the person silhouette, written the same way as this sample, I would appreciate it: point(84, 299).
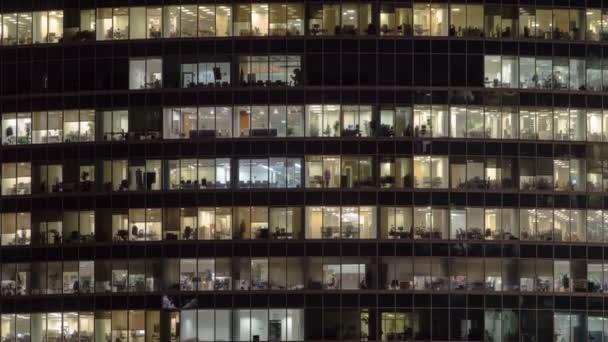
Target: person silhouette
point(139, 179)
point(296, 77)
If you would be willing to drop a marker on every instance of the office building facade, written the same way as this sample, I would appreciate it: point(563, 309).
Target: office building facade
point(303, 171)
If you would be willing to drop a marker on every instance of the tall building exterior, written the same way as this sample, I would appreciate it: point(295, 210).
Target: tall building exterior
point(184, 170)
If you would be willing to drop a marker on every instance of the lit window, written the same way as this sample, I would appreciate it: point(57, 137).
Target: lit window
point(145, 73)
point(16, 179)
